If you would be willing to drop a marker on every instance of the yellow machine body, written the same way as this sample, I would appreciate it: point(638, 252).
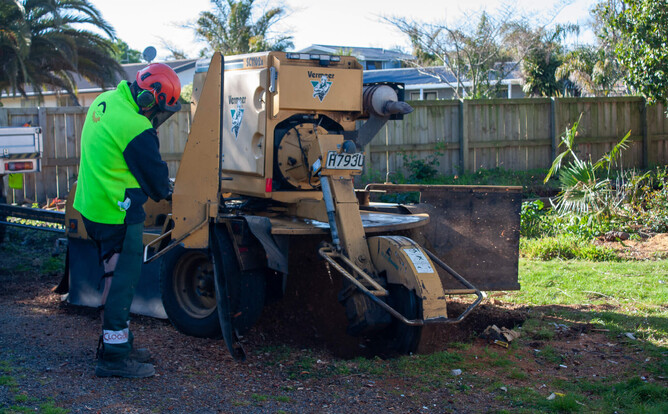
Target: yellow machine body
point(259, 91)
point(405, 263)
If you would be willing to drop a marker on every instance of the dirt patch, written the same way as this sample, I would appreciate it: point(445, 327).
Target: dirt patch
point(310, 315)
point(436, 338)
point(654, 247)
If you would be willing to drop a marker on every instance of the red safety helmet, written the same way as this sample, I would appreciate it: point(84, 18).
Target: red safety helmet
point(163, 83)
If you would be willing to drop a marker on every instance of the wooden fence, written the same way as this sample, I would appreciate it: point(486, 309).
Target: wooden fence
point(519, 134)
point(514, 134)
point(61, 132)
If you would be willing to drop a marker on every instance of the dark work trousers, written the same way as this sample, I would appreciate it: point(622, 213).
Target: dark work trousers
point(127, 241)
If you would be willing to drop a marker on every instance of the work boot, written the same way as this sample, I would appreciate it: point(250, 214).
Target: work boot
point(140, 354)
point(125, 368)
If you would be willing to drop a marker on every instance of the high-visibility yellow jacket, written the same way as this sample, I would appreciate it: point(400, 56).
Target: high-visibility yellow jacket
point(120, 164)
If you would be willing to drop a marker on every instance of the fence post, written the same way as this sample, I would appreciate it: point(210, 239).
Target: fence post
point(554, 134)
point(4, 118)
point(47, 176)
point(646, 145)
point(463, 137)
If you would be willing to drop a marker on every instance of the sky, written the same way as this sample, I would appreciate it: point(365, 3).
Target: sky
point(142, 23)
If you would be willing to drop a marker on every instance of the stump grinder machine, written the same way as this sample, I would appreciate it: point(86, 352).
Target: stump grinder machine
point(266, 181)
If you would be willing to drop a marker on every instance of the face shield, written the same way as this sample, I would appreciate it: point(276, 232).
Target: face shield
point(164, 111)
point(159, 117)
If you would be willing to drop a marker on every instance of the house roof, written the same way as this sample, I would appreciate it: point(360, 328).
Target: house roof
point(361, 53)
point(436, 75)
point(129, 69)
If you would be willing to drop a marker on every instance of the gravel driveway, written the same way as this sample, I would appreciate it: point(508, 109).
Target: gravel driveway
point(47, 360)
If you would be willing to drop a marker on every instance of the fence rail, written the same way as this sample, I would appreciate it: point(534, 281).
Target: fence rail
point(514, 134)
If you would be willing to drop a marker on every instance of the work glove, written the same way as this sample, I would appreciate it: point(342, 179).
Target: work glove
point(171, 190)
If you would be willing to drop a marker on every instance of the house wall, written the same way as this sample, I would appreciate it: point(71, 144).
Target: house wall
point(441, 93)
point(517, 92)
point(32, 102)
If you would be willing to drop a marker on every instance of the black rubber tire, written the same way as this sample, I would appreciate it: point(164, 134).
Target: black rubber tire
point(246, 290)
point(188, 292)
point(400, 337)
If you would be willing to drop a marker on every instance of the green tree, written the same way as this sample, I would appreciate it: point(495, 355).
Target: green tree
point(472, 52)
point(593, 70)
point(422, 44)
point(538, 70)
point(176, 52)
point(125, 54)
point(233, 28)
point(483, 49)
point(541, 52)
point(642, 27)
point(45, 42)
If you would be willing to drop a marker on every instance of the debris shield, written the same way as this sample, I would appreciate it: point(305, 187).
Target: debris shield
point(474, 229)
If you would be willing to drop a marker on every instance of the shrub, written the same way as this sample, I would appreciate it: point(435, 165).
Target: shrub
point(648, 200)
point(531, 219)
point(422, 170)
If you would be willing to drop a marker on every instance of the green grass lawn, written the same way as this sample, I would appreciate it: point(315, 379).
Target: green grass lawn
point(574, 282)
point(630, 296)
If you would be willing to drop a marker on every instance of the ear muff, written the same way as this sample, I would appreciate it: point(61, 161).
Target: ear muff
point(145, 99)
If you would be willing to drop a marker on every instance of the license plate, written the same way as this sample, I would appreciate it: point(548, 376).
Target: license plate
point(336, 161)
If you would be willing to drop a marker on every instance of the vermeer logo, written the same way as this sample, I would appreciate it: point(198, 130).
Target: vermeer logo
point(321, 87)
point(237, 114)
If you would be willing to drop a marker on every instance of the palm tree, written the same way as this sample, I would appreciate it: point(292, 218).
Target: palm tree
point(586, 186)
point(595, 71)
point(43, 43)
point(14, 45)
point(230, 28)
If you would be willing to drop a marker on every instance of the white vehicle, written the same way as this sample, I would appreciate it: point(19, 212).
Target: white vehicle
point(20, 150)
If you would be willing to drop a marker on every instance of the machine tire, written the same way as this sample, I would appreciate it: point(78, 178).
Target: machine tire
point(402, 338)
point(188, 292)
point(246, 290)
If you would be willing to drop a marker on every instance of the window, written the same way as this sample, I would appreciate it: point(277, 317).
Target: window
point(65, 100)
point(374, 64)
point(426, 95)
point(29, 103)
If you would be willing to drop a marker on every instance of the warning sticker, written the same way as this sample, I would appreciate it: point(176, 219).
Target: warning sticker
point(420, 261)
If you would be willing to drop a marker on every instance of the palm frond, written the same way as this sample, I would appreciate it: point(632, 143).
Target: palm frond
point(610, 158)
point(51, 39)
point(567, 140)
